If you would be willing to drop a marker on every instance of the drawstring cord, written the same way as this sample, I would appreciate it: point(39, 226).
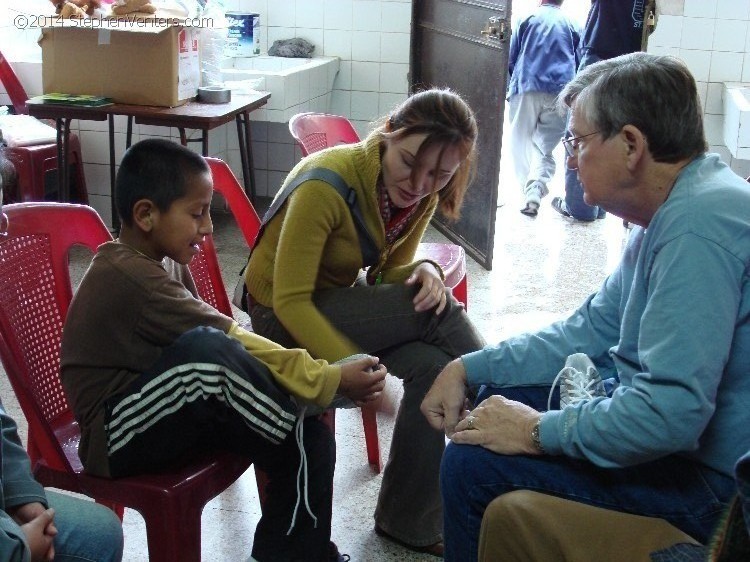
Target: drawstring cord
point(302, 471)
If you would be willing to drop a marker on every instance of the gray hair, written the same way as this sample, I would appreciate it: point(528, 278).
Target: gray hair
point(656, 94)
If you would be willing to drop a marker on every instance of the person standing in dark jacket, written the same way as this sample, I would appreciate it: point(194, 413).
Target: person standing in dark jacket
point(613, 28)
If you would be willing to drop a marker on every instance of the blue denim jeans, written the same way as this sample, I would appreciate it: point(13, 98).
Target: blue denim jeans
point(688, 495)
point(574, 202)
point(86, 531)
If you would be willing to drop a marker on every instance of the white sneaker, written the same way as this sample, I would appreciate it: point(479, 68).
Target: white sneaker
point(579, 380)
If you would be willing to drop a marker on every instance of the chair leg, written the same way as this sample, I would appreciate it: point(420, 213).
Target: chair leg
point(116, 507)
point(461, 292)
point(174, 535)
point(370, 423)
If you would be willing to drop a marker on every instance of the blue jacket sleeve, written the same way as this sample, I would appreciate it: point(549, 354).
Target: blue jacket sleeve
point(675, 345)
point(18, 488)
point(536, 358)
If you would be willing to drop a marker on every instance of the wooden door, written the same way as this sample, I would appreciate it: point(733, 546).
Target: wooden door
point(463, 44)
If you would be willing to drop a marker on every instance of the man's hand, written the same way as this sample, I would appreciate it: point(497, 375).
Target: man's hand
point(362, 380)
point(40, 533)
point(500, 425)
point(445, 402)
point(432, 292)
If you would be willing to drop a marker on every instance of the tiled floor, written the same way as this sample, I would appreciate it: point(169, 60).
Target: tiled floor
point(543, 268)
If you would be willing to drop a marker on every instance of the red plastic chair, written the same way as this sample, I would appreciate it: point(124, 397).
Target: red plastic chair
point(34, 162)
point(35, 292)
point(205, 265)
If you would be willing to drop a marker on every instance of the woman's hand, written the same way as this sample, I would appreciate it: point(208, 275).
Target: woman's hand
point(362, 380)
point(432, 292)
point(500, 425)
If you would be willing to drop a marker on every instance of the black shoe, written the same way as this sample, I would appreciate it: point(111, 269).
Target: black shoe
point(531, 209)
point(559, 205)
point(334, 555)
point(435, 549)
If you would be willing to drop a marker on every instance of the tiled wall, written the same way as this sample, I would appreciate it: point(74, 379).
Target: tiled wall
point(712, 37)
point(371, 37)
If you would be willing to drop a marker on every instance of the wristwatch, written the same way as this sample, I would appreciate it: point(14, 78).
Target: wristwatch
point(535, 437)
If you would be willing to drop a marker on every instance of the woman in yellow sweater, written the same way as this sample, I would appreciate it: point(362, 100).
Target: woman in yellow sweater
point(307, 288)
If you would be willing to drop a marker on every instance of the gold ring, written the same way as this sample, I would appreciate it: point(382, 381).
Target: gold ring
point(470, 422)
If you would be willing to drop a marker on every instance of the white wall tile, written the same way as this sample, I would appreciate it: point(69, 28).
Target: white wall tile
point(281, 14)
point(714, 127)
point(388, 102)
point(668, 32)
point(314, 36)
point(367, 15)
point(366, 76)
point(255, 7)
point(699, 63)
point(730, 35)
point(341, 102)
point(726, 67)
point(394, 78)
point(713, 100)
point(338, 14)
point(366, 46)
point(732, 9)
point(309, 13)
point(97, 179)
point(396, 17)
point(671, 7)
point(394, 47)
point(365, 105)
point(343, 80)
point(338, 43)
point(700, 8)
point(698, 33)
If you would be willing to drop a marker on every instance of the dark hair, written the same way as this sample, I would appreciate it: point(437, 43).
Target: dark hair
point(154, 169)
point(657, 94)
point(447, 120)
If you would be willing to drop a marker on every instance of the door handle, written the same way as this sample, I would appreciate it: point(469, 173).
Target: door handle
point(495, 28)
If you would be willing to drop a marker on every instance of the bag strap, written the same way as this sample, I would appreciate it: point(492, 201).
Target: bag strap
point(370, 251)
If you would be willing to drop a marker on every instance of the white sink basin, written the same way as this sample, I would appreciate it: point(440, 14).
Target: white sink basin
point(296, 84)
point(737, 119)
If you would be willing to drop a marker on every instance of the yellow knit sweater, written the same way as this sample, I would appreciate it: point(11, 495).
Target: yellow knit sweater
point(312, 244)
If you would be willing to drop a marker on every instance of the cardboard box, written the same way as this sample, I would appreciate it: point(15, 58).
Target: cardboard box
point(153, 62)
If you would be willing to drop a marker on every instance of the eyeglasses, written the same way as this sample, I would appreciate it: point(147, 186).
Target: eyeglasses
point(571, 143)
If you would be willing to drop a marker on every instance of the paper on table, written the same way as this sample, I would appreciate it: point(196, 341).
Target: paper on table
point(24, 130)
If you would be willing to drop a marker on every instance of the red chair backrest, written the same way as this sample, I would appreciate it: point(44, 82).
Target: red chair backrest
point(205, 267)
point(13, 86)
point(316, 131)
point(227, 185)
point(35, 293)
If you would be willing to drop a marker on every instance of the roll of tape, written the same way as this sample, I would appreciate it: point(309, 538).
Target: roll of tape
point(214, 94)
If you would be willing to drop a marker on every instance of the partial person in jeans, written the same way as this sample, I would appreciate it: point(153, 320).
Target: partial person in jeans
point(155, 376)
point(306, 285)
point(38, 525)
point(613, 28)
point(669, 331)
point(543, 58)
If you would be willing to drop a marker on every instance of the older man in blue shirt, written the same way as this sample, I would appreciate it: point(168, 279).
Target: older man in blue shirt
point(669, 329)
point(543, 58)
